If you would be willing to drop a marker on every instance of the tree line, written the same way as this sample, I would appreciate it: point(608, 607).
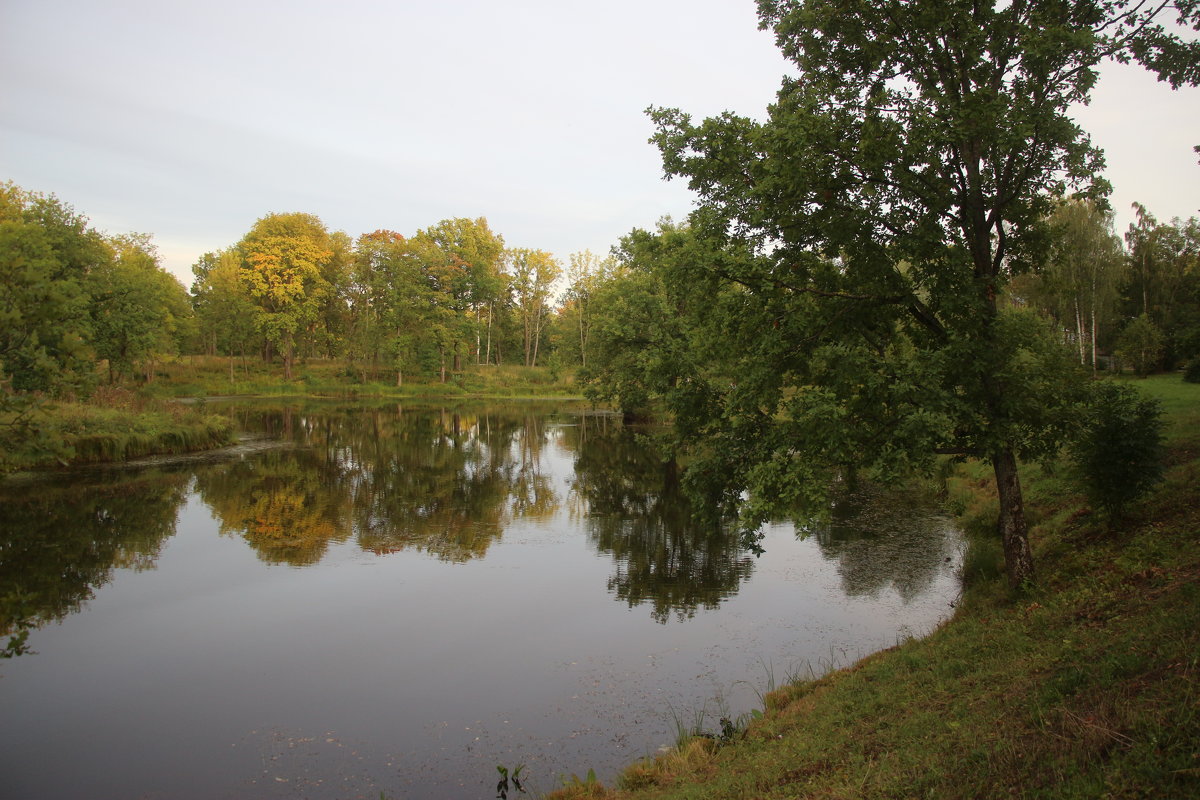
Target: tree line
point(427, 303)
point(390, 305)
point(78, 307)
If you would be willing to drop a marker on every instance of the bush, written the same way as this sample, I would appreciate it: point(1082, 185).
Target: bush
point(1119, 453)
point(1141, 345)
point(1192, 373)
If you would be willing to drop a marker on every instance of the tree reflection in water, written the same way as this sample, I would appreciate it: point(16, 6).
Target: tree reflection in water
point(288, 505)
point(637, 513)
point(448, 482)
point(61, 540)
point(445, 482)
point(884, 539)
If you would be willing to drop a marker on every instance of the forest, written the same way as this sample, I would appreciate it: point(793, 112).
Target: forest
point(82, 308)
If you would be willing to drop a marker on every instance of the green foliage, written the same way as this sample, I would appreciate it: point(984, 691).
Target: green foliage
point(509, 782)
point(1120, 452)
point(1078, 286)
point(904, 175)
point(1164, 282)
point(136, 307)
point(533, 275)
point(653, 335)
point(1192, 373)
point(392, 304)
point(223, 307)
point(586, 274)
point(462, 262)
point(46, 253)
point(1141, 345)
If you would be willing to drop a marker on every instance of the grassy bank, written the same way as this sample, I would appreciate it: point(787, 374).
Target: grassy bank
point(115, 425)
point(211, 376)
point(118, 424)
point(1086, 685)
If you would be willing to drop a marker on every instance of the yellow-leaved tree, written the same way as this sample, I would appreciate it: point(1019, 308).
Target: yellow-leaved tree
point(284, 261)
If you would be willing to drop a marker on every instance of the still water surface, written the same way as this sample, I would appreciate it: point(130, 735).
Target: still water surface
point(397, 599)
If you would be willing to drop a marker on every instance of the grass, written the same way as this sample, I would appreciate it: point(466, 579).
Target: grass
point(1085, 685)
point(118, 424)
point(115, 425)
point(210, 376)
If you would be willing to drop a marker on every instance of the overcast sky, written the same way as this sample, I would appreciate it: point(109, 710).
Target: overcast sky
point(191, 120)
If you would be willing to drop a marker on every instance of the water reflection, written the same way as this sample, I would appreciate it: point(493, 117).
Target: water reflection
point(884, 540)
point(444, 482)
point(62, 540)
point(636, 512)
point(216, 645)
point(288, 505)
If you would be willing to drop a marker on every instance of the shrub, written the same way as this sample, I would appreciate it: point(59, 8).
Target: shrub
point(1119, 452)
point(1192, 373)
point(1141, 345)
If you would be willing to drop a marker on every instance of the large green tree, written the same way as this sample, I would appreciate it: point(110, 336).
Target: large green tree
point(533, 275)
point(660, 331)
point(138, 309)
point(392, 303)
point(467, 270)
point(224, 309)
point(901, 179)
point(47, 251)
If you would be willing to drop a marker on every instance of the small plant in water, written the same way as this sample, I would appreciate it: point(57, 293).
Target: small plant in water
point(575, 781)
point(509, 782)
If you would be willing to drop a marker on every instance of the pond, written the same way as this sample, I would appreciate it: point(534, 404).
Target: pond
point(389, 598)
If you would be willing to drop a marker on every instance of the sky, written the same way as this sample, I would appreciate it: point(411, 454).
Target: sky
point(190, 120)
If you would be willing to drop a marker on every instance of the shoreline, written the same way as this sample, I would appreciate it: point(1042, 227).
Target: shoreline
point(1080, 685)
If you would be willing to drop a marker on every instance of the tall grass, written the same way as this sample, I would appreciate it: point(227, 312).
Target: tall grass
point(210, 376)
point(114, 425)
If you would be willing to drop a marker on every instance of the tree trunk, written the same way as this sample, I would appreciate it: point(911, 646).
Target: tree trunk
point(526, 330)
point(1018, 558)
point(488, 357)
point(478, 336)
point(289, 355)
point(1093, 334)
point(1092, 310)
point(1079, 335)
point(537, 335)
point(582, 335)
